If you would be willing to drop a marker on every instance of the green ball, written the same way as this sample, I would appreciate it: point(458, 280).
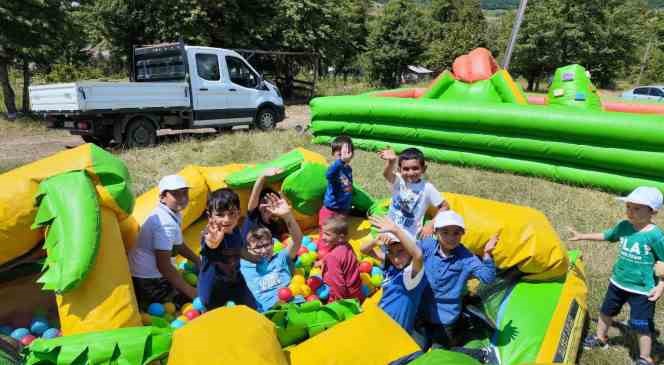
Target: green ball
point(278, 246)
point(376, 280)
point(190, 278)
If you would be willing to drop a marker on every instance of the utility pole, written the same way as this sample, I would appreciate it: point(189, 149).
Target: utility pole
point(515, 32)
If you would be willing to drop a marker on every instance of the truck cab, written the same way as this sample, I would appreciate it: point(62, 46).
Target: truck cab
point(172, 86)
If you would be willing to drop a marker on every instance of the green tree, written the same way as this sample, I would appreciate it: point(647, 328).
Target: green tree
point(592, 33)
point(395, 39)
point(455, 28)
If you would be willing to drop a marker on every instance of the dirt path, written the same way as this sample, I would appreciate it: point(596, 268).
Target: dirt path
point(22, 145)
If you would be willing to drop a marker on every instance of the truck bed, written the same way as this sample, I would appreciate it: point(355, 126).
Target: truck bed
point(87, 96)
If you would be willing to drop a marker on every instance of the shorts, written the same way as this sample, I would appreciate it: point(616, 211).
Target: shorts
point(156, 290)
point(641, 310)
point(436, 335)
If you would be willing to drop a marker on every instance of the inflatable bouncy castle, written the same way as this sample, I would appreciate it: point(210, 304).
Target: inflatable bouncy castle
point(67, 221)
point(478, 116)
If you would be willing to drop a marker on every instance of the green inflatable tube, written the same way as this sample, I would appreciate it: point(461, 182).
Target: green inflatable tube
point(287, 162)
point(619, 130)
point(132, 345)
point(71, 243)
point(113, 176)
point(578, 176)
point(639, 163)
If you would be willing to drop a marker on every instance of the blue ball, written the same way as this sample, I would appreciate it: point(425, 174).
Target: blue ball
point(376, 271)
point(6, 330)
point(19, 333)
point(298, 299)
point(365, 290)
point(323, 292)
point(230, 303)
point(37, 327)
point(311, 247)
point(156, 309)
point(306, 240)
point(198, 305)
point(51, 333)
point(177, 324)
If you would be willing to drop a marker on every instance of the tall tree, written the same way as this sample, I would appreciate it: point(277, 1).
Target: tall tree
point(455, 27)
point(395, 39)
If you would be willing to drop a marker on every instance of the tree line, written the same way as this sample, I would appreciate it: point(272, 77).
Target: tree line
point(376, 39)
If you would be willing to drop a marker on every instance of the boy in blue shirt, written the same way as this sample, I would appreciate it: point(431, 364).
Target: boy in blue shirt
point(403, 282)
point(447, 266)
point(258, 212)
point(633, 279)
point(219, 280)
point(339, 192)
point(264, 271)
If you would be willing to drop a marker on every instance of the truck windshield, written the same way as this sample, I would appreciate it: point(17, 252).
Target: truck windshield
point(159, 63)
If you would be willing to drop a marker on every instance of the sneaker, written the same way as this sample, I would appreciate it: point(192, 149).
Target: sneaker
point(642, 361)
point(593, 342)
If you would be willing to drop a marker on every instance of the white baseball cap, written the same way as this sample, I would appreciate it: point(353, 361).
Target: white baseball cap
point(172, 182)
point(644, 195)
point(448, 218)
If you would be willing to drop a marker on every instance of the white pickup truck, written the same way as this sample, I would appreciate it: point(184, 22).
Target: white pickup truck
point(172, 86)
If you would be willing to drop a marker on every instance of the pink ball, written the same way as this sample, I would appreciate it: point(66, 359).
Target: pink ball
point(26, 340)
point(312, 297)
point(191, 314)
point(285, 294)
point(302, 250)
point(314, 282)
point(365, 267)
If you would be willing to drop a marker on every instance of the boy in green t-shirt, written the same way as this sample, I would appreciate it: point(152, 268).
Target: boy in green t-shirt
point(633, 278)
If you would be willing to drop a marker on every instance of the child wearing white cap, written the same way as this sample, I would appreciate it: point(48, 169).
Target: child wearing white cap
point(633, 278)
point(155, 278)
point(448, 266)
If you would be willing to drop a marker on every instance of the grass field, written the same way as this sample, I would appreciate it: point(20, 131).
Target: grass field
point(585, 209)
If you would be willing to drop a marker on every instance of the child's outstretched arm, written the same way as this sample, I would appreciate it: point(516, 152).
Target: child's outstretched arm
point(485, 269)
point(278, 206)
point(390, 159)
point(254, 198)
point(184, 251)
point(386, 225)
point(576, 236)
point(369, 248)
point(169, 272)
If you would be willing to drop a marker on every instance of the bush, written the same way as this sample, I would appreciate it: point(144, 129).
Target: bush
point(67, 72)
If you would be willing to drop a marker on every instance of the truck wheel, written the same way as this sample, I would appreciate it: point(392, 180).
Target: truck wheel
point(140, 133)
point(102, 142)
point(266, 119)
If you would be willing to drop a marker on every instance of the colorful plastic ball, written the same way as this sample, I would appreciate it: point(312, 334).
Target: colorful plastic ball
point(295, 289)
point(51, 333)
point(38, 327)
point(188, 266)
point(366, 279)
point(365, 267)
point(311, 298)
point(26, 340)
point(177, 324)
point(315, 271)
point(285, 294)
point(278, 246)
point(198, 305)
point(19, 333)
point(156, 309)
point(302, 250)
point(314, 282)
point(6, 330)
point(170, 308)
point(376, 271)
point(306, 240)
point(183, 319)
point(365, 290)
point(298, 299)
point(146, 319)
point(298, 279)
point(191, 314)
point(376, 281)
point(311, 246)
point(307, 259)
point(230, 303)
point(187, 307)
point(323, 292)
point(191, 278)
point(305, 290)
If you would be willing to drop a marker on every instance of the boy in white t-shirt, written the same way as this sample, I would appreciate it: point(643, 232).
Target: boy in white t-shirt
point(155, 278)
point(412, 195)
